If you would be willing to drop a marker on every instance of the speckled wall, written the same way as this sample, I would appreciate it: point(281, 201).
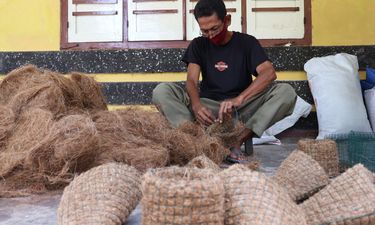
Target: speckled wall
point(164, 60)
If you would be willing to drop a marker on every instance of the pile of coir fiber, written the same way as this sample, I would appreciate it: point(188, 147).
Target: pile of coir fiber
point(46, 132)
point(53, 127)
point(151, 132)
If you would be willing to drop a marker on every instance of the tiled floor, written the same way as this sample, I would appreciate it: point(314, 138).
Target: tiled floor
point(41, 209)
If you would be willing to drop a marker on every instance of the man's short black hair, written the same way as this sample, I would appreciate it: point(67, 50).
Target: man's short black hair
point(209, 7)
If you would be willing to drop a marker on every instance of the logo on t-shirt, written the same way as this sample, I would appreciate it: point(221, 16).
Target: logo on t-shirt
point(221, 66)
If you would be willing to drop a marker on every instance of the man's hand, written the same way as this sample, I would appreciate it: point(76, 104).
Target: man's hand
point(228, 105)
point(266, 75)
point(203, 115)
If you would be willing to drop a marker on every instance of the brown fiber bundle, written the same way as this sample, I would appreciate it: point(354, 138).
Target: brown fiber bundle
point(16, 81)
point(43, 140)
point(227, 131)
point(202, 162)
point(7, 123)
point(205, 144)
point(71, 92)
point(69, 148)
point(178, 195)
point(184, 147)
point(49, 161)
point(181, 147)
point(324, 152)
point(93, 98)
point(192, 128)
point(348, 196)
point(189, 140)
point(253, 198)
point(47, 96)
point(116, 144)
point(182, 142)
point(103, 195)
point(300, 175)
point(32, 127)
point(212, 148)
point(144, 158)
point(150, 125)
point(29, 86)
point(21, 182)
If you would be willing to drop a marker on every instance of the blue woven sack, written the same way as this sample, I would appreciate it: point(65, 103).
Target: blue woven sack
point(365, 85)
point(370, 76)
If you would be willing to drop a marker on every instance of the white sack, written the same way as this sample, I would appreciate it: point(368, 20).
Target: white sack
point(335, 86)
point(301, 109)
point(370, 105)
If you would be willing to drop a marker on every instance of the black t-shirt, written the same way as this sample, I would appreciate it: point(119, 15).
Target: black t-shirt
point(226, 69)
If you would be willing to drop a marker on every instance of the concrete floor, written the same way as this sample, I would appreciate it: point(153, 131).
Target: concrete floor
point(41, 209)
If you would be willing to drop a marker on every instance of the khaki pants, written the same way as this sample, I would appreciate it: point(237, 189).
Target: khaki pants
point(258, 113)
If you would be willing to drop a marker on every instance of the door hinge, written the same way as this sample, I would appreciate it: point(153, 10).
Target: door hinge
point(304, 20)
point(67, 25)
point(127, 23)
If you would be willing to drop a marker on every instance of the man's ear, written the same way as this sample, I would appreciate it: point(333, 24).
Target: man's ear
point(228, 19)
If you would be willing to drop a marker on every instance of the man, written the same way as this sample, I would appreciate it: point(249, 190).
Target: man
point(226, 60)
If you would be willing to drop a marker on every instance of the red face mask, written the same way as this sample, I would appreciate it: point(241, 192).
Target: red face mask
point(219, 38)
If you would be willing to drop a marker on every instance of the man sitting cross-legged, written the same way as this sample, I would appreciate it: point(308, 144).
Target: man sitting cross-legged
point(227, 61)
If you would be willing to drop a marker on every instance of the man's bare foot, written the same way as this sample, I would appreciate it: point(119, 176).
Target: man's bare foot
point(236, 156)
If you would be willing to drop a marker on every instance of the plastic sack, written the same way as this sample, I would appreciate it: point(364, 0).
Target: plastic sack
point(301, 109)
point(335, 86)
point(370, 105)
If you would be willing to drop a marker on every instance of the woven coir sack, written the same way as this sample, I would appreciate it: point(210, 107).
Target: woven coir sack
point(203, 162)
point(351, 195)
point(324, 152)
point(300, 175)
point(252, 198)
point(368, 219)
point(103, 195)
point(177, 195)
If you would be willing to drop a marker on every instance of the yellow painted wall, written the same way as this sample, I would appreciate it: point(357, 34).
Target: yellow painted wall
point(34, 25)
point(343, 22)
point(29, 25)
